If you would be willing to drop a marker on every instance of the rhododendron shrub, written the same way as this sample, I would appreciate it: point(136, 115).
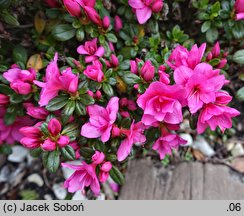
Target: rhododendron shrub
point(111, 81)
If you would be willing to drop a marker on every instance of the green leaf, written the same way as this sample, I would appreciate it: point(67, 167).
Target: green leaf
point(80, 109)
point(5, 149)
point(69, 108)
point(68, 152)
point(9, 118)
point(4, 89)
point(212, 35)
point(108, 90)
point(57, 103)
point(130, 78)
point(238, 57)
point(9, 18)
point(63, 32)
point(240, 94)
point(86, 152)
point(19, 54)
point(117, 176)
point(36, 152)
point(205, 26)
point(86, 99)
point(80, 35)
point(45, 158)
point(53, 161)
point(111, 37)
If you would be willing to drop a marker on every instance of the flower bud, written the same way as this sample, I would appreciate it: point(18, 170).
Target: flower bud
point(106, 22)
point(117, 23)
point(157, 6)
point(147, 71)
point(72, 7)
point(98, 157)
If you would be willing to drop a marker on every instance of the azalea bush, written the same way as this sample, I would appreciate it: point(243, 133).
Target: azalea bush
point(101, 82)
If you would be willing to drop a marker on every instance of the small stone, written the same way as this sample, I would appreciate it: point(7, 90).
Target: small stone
point(59, 191)
point(202, 145)
point(35, 178)
point(4, 174)
point(18, 155)
point(101, 196)
point(48, 197)
point(78, 196)
point(237, 150)
point(188, 138)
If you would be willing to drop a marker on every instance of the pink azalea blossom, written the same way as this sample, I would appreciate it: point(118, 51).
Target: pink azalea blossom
point(113, 63)
point(10, 133)
point(104, 171)
point(34, 138)
point(163, 76)
point(181, 56)
point(94, 71)
point(101, 120)
point(84, 176)
point(162, 102)
point(118, 24)
point(36, 112)
point(147, 71)
point(133, 136)
point(98, 157)
point(67, 81)
point(106, 22)
point(217, 114)
point(20, 80)
point(199, 92)
point(72, 7)
point(166, 143)
point(239, 9)
point(145, 8)
point(91, 50)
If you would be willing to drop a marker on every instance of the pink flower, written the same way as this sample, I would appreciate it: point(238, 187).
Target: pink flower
point(162, 102)
point(10, 133)
point(106, 22)
point(67, 81)
point(4, 99)
point(166, 143)
point(217, 114)
point(163, 76)
point(98, 157)
point(94, 71)
point(104, 171)
point(34, 138)
point(239, 9)
point(144, 8)
point(72, 7)
point(20, 80)
point(84, 176)
point(147, 71)
point(181, 56)
point(133, 135)
point(118, 23)
point(201, 84)
point(52, 85)
point(91, 50)
point(36, 112)
point(92, 14)
point(101, 120)
point(114, 62)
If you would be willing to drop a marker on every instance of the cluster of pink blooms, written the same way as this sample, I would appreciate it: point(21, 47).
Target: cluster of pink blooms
point(85, 174)
point(195, 88)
